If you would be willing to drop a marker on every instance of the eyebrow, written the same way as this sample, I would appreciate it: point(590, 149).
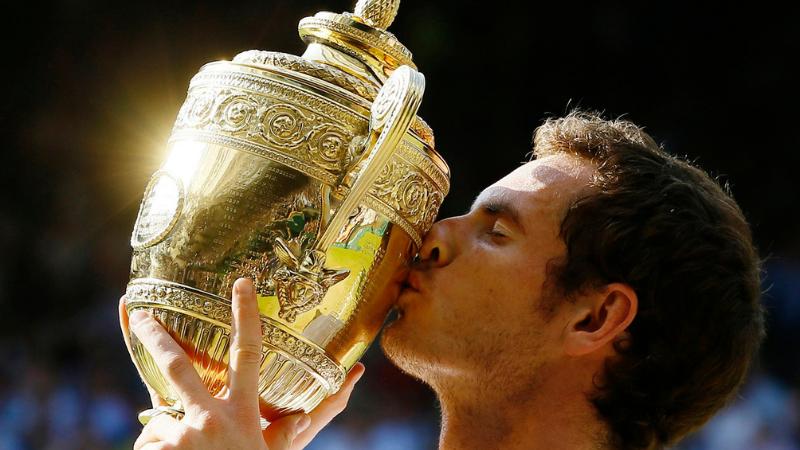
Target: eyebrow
point(496, 202)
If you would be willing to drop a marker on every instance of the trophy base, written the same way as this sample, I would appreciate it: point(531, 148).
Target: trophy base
point(295, 375)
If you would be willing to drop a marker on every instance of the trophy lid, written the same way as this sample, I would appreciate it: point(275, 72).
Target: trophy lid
point(361, 35)
point(352, 51)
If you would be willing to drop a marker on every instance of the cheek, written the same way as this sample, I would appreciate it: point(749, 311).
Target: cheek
point(498, 271)
point(470, 276)
point(472, 286)
point(492, 285)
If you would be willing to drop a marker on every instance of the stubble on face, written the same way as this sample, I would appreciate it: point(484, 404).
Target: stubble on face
point(500, 367)
point(398, 349)
point(492, 347)
point(476, 359)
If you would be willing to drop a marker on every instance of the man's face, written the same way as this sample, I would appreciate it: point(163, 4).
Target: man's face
point(475, 301)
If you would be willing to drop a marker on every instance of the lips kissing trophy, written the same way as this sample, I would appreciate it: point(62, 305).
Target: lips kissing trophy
point(312, 176)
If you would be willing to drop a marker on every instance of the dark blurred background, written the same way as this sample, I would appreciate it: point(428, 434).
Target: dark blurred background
point(92, 89)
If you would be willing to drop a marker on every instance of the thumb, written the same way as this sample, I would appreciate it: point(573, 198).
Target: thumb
point(280, 434)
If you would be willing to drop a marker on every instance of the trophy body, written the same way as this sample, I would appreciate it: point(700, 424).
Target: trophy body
point(313, 177)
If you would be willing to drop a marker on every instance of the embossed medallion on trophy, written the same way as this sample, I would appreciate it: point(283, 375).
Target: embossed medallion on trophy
point(311, 175)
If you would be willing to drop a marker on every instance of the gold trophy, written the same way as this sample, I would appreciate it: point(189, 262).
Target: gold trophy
point(310, 175)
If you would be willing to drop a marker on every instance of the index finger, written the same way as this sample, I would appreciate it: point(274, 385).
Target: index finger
point(123, 324)
point(171, 359)
point(245, 351)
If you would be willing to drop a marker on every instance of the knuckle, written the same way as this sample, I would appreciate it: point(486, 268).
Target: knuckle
point(340, 403)
point(206, 420)
point(248, 353)
point(146, 327)
point(175, 364)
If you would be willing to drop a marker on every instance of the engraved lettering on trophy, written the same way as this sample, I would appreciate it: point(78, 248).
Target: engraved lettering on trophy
point(299, 183)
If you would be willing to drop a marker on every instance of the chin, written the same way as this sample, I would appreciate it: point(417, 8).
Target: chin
point(392, 336)
point(402, 346)
point(401, 331)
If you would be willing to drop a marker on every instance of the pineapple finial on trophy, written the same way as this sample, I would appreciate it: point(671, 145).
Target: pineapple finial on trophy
point(358, 42)
point(377, 13)
point(311, 175)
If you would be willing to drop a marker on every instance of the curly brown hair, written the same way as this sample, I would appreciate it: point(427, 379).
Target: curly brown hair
point(677, 237)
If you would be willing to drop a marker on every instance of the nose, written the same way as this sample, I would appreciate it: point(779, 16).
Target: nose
point(437, 249)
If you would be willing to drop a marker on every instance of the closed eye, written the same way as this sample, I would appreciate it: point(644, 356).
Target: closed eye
point(497, 230)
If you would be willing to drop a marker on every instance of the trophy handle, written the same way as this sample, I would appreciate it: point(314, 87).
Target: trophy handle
point(391, 115)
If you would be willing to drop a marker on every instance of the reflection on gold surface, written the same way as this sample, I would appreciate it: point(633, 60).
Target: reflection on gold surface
point(316, 182)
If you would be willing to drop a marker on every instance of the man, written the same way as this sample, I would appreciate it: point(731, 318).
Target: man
point(603, 295)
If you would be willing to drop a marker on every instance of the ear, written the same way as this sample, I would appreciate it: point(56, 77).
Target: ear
point(599, 318)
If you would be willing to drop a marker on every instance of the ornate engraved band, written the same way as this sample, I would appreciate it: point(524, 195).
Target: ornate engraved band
point(165, 295)
point(415, 198)
point(267, 118)
point(216, 74)
point(256, 149)
point(414, 156)
point(330, 74)
point(207, 107)
point(311, 140)
point(199, 106)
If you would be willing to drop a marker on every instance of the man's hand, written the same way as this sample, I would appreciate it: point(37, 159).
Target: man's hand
point(231, 421)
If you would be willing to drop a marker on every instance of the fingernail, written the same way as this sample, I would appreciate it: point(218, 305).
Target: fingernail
point(136, 317)
point(302, 423)
point(244, 286)
point(358, 377)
